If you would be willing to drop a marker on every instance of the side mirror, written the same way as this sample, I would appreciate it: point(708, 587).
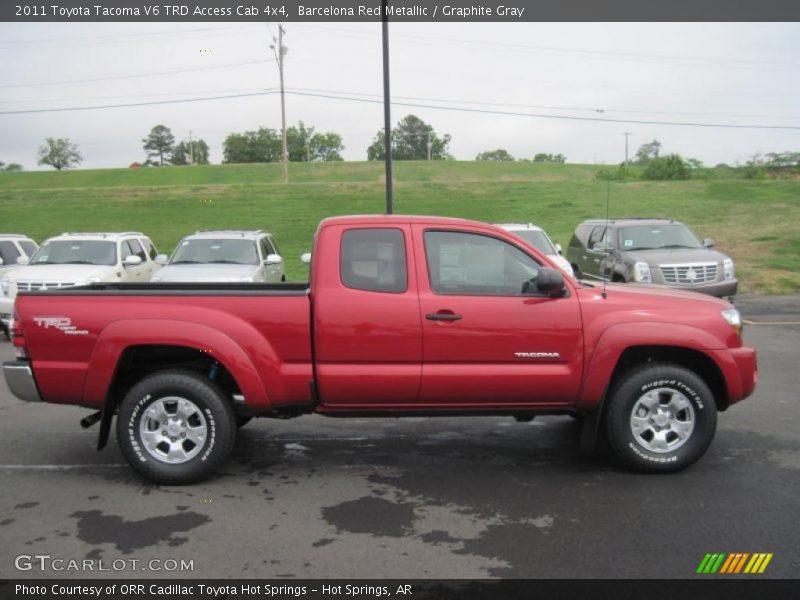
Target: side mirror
point(273, 259)
point(548, 281)
point(132, 261)
point(306, 258)
point(559, 249)
point(162, 259)
point(708, 243)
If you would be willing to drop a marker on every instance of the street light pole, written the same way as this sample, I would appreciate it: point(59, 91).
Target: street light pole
point(387, 112)
point(626, 134)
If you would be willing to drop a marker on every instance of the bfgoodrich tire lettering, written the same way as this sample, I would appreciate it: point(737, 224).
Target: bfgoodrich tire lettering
point(661, 418)
point(152, 426)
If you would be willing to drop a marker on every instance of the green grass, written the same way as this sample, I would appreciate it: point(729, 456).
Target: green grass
point(757, 222)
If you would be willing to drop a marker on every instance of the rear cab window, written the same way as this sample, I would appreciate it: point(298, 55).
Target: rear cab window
point(374, 260)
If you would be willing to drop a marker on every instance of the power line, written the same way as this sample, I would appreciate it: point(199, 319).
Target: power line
point(418, 105)
point(137, 75)
point(639, 57)
point(120, 37)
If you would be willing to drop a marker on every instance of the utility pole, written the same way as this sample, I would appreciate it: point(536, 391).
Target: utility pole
point(387, 112)
point(429, 144)
point(191, 149)
point(626, 134)
point(280, 53)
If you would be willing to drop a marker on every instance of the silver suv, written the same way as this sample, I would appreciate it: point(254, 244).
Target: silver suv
point(13, 247)
point(223, 256)
point(655, 251)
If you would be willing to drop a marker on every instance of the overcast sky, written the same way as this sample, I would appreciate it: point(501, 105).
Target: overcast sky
point(723, 73)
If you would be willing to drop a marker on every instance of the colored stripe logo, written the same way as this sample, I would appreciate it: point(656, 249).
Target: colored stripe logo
point(734, 563)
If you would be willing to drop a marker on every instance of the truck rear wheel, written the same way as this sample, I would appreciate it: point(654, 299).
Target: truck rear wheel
point(175, 427)
point(661, 418)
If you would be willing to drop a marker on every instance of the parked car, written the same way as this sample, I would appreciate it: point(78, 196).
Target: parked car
point(541, 241)
point(654, 251)
point(403, 316)
point(224, 255)
point(72, 259)
point(13, 246)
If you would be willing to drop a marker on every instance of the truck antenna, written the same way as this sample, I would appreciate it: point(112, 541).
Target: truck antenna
point(604, 294)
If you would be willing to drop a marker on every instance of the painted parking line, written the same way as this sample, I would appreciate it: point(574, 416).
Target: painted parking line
point(778, 323)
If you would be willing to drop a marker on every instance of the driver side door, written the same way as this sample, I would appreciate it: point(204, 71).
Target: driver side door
point(484, 341)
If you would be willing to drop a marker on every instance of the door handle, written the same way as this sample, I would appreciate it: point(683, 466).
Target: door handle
point(442, 316)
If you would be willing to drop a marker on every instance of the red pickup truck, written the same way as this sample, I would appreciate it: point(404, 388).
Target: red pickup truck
point(402, 316)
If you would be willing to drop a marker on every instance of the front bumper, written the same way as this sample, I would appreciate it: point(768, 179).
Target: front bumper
point(719, 289)
point(739, 368)
point(19, 379)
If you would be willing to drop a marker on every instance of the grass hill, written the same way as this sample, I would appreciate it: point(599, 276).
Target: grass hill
point(757, 222)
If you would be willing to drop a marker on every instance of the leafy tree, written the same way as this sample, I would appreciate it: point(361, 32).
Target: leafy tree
point(549, 158)
point(647, 152)
point(159, 142)
point(326, 147)
point(186, 152)
point(59, 153)
point(671, 166)
point(304, 144)
point(782, 160)
point(694, 163)
point(500, 154)
point(410, 140)
point(12, 167)
point(262, 145)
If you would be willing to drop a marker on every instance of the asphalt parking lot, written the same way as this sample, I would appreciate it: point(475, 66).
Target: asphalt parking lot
point(417, 498)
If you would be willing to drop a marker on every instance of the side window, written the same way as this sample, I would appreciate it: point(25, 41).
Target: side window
point(266, 247)
point(136, 248)
point(9, 253)
point(271, 241)
point(29, 247)
point(150, 248)
point(374, 260)
point(473, 264)
point(599, 234)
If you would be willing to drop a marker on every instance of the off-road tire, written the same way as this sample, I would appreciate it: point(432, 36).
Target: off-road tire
point(211, 402)
point(623, 398)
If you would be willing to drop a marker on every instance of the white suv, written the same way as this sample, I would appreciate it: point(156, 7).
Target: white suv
point(537, 238)
point(72, 259)
point(224, 256)
point(12, 248)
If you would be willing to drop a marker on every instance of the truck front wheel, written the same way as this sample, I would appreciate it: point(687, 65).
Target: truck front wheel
point(175, 427)
point(661, 418)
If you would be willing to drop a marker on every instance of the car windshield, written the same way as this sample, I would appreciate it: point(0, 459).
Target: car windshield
point(653, 237)
point(215, 251)
point(76, 252)
point(537, 239)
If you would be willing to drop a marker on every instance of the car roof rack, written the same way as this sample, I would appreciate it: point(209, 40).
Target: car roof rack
point(242, 232)
point(101, 233)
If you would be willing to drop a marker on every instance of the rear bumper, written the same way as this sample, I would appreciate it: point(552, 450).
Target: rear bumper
point(19, 379)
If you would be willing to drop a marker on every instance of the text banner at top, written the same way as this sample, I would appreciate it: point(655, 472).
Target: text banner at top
point(119, 11)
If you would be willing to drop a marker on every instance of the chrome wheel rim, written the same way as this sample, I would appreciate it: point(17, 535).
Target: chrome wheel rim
point(173, 430)
point(662, 420)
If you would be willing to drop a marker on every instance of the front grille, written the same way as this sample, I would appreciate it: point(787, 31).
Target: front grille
point(29, 286)
point(689, 273)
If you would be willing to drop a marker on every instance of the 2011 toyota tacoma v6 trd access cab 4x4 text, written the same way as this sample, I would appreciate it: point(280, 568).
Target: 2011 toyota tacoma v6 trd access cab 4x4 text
point(402, 316)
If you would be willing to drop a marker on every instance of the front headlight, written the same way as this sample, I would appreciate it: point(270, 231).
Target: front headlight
point(734, 319)
point(641, 272)
point(5, 286)
point(727, 268)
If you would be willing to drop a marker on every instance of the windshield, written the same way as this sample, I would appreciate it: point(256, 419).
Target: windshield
point(219, 251)
point(653, 237)
point(537, 239)
point(76, 252)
